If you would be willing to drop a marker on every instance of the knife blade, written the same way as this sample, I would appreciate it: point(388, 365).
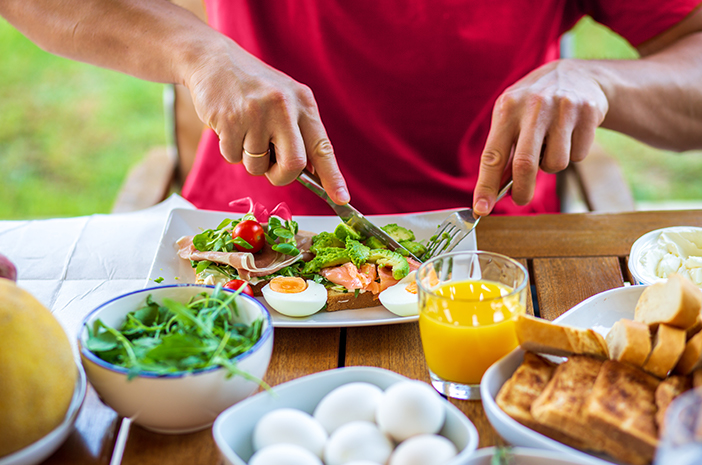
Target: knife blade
point(353, 217)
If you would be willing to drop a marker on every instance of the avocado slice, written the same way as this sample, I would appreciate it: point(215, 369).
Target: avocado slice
point(384, 257)
point(398, 232)
point(343, 231)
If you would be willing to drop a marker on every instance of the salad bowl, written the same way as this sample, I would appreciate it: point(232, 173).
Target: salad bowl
point(176, 401)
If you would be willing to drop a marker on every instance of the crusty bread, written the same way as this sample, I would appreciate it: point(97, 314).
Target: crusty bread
point(622, 407)
point(668, 347)
point(694, 329)
point(542, 336)
point(349, 300)
point(519, 392)
point(674, 302)
point(560, 404)
point(691, 358)
point(697, 378)
point(667, 391)
point(629, 342)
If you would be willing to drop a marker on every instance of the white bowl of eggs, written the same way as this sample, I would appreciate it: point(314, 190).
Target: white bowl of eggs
point(354, 415)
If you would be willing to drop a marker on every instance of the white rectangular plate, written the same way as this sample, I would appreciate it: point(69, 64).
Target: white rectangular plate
point(599, 312)
point(187, 222)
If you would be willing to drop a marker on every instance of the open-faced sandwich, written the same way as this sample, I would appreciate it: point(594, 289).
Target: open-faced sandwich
point(300, 272)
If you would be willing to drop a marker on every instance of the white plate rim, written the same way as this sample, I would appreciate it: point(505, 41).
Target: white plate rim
point(370, 316)
point(504, 424)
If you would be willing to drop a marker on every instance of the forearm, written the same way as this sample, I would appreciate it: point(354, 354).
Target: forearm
point(153, 40)
point(656, 99)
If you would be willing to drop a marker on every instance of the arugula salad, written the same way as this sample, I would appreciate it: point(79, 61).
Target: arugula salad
point(173, 337)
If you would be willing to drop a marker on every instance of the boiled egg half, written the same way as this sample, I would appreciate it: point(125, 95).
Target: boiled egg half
point(294, 296)
point(401, 299)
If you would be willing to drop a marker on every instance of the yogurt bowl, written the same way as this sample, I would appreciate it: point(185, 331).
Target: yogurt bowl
point(182, 401)
point(658, 253)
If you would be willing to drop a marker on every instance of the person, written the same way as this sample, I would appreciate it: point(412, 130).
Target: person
point(421, 104)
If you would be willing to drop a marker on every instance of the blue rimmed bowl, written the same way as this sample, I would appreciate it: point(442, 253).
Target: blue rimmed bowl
point(178, 402)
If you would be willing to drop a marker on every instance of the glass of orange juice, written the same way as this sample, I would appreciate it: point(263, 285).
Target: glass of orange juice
point(468, 302)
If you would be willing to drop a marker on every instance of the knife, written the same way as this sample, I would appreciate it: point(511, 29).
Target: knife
point(353, 217)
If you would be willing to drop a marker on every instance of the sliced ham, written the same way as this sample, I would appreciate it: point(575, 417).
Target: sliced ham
point(248, 265)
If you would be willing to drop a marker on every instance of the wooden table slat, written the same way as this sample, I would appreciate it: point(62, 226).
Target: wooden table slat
point(565, 282)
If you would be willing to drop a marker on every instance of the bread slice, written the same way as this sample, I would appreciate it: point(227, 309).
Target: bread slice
point(560, 404)
point(666, 392)
point(668, 347)
point(629, 342)
point(697, 378)
point(691, 358)
point(622, 407)
point(520, 391)
point(674, 302)
point(350, 300)
point(542, 336)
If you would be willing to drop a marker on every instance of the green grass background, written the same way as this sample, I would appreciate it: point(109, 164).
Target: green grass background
point(70, 131)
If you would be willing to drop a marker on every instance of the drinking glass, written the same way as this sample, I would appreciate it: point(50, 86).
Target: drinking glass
point(468, 302)
point(681, 441)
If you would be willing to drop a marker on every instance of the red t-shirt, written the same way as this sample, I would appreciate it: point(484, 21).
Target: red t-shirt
point(405, 89)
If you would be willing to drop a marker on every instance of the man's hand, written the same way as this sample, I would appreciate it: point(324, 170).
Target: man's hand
point(554, 110)
point(251, 106)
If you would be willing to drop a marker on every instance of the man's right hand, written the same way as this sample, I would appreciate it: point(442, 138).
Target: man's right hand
point(252, 106)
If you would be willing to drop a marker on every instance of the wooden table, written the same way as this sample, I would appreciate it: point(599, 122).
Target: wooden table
point(569, 258)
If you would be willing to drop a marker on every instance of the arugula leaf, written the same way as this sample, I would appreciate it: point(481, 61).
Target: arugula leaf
point(176, 337)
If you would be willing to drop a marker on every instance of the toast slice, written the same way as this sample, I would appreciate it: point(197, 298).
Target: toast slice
point(667, 391)
point(668, 347)
point(622, 407)
point(520, 391)
point(542, 336)
point(629, 342)
point(560, 404)
point(675, 302)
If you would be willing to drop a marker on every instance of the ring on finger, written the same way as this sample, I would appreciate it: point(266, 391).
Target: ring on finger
point(257, 155)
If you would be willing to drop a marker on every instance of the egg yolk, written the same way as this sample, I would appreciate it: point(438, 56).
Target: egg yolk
point(288, 285)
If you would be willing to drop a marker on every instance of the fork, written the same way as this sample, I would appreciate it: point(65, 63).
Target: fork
point(454, 229)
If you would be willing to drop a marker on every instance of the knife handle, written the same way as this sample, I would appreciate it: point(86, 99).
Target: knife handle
point(313, 183)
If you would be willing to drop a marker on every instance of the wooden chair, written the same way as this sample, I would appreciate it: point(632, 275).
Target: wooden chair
point(595, 184)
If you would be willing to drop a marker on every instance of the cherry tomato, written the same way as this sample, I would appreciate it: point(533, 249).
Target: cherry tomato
point(251, 232)
point(235, 284)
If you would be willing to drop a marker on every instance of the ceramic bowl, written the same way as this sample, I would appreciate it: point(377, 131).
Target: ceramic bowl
point(645, 244)
point(233, 429)
point(178, 402)
point(40, 450)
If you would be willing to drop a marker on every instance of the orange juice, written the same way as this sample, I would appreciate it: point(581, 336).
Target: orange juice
point(466, 326)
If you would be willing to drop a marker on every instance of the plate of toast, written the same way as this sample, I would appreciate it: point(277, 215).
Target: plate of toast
point(596, 382)
point(169, 268)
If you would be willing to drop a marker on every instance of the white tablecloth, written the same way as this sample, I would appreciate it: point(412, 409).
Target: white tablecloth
point(72, 265)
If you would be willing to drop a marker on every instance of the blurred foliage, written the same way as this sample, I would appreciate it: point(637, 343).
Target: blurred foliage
point(68, 131)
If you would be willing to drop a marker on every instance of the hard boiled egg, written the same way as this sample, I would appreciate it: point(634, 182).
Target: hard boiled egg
point(357, 441)
point(294, 296)
point(409, 408)
point(401, 299)
point(351, 402)
point(290, 426)
point(284, 454)
point(425, 449)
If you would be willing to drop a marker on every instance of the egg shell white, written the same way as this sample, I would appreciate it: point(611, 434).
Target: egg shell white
point(410, 408)
point(284, 454)
point(290, 426)
point(300, 304)
point(398, 301)
point(358, 440)
point(424, 449)
point(351, 402)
